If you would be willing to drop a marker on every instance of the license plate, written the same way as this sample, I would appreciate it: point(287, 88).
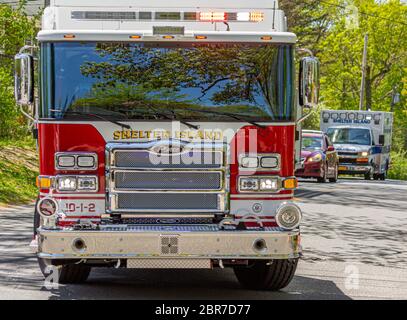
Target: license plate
point(342, 168)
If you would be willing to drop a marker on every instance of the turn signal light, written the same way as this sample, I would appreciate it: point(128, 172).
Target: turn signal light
point(363, 160)
point(44, 182)
point(290, 183)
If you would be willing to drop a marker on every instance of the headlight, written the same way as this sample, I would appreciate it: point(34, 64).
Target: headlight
point(364, 154)
point(76, 161)
point(259, 184)
point(269, 184)
point(87, 183)
point(66, 183)
point(288, 216)
point(269, 162)
point(262, 162)
point(77, 183)
point(316, 158)
point(249, 184)
point(249, 162)
point(66, 161)
point(86, 162)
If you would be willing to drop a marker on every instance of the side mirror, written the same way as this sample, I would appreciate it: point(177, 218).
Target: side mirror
point(309, 82)
point(24, 79)
point(381, 140)
point(330, 149)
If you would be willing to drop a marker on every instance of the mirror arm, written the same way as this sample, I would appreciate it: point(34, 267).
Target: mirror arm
point(27, 48)
point(26, 114)
point(305, 50)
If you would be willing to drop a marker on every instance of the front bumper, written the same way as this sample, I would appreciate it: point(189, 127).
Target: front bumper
point(169, 242)
point(345, 168)
point(310, 170)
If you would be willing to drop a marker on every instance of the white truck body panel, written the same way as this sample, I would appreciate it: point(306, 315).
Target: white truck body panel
point(62, 15)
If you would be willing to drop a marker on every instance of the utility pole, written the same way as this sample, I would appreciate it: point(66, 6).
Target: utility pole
point(364, 63)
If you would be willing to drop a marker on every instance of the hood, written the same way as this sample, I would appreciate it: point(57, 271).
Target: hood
point(351, 147)
point(307, 153)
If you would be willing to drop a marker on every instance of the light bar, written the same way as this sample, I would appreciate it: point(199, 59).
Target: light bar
point(212, 16)
point(169, 16)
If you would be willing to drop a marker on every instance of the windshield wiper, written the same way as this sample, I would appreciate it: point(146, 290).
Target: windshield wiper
point(120, 124)
point(157, 113)
point(231, 116)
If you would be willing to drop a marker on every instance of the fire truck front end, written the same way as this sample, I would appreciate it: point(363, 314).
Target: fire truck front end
point(168, 138)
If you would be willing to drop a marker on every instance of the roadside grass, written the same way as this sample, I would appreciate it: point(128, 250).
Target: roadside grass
point(18, 170)
point(398, 167)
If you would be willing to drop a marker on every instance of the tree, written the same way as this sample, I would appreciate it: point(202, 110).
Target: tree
point(15, 28)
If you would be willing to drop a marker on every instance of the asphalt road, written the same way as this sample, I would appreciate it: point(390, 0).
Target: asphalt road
point(354, 239)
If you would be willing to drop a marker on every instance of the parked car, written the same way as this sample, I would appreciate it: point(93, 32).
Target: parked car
point(318, 157)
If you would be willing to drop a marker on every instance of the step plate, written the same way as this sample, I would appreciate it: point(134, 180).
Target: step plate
point(169, 264)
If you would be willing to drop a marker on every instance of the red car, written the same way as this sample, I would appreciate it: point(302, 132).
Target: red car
point(318, 157)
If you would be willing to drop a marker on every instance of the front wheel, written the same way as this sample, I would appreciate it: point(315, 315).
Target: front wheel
point(267, 275)
point(334, 179)
point(67, 273)
point(368, 176)
point(324, 174)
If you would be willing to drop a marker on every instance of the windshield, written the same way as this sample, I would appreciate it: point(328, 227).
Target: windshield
point(159, 81)
point(350, 136)
point(312, 143)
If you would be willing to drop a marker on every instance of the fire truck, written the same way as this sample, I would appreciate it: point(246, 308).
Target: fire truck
point(168, 135)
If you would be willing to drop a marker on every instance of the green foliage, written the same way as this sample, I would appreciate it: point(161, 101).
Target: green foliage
point(335, 30)
point(398, 168)
point(18, 170)
point(15, 28)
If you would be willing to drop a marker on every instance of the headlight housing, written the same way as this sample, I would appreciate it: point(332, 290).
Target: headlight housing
point(76, 161)
point(259, 184)
point(315, 158)
point(364, 154)
point(77, 183)
point(288, 216)
point(260, 162)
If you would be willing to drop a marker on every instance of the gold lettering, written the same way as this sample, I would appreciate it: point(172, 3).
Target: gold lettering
point(116, 135)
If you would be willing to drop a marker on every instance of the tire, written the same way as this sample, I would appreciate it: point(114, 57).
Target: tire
point(273, 277)
point(335, 178)
point(324, 177)
point(376, 176)
point(383, 176)
point(368, 176)
point(67, 273)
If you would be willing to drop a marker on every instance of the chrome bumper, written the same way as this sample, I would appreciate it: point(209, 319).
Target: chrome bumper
point(351, 168)
point(175, 242)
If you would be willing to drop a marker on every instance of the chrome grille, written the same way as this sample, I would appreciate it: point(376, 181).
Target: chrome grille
point(147, 160)
point(150, 177)
point(168, 201)
point(168, 180)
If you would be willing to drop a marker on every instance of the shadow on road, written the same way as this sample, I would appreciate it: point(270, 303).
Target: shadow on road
point(367, 194)
point(188, 284)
